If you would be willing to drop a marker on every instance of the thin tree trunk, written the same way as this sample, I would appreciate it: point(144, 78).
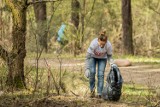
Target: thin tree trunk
point(41, 19)
point(75, 12)
point(83, 18)
point(127, 27)
point(1, 21)
point(75, 8)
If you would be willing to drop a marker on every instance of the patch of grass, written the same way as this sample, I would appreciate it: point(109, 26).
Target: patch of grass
point(55, 55)
point(73, 82)
point(140, 59)
point(136, 90)
point(138, 94)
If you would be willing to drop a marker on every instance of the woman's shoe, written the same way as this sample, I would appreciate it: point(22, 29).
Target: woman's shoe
point(99, 96)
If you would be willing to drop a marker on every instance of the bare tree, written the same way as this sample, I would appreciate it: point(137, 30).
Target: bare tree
point(127, 27)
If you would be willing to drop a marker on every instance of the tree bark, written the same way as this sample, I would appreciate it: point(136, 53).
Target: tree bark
point(75, 12)
point(83, 18)
point(41, 19)
point(75, 8)
point(15, 58)
point(127, 27)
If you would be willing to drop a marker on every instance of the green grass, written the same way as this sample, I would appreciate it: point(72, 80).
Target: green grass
point(138, 95)
point(136, 90)
point(33, 55)
point(139, 59)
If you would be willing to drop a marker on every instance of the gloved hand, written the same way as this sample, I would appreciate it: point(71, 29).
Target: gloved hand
point(111, 61)
point(87, 73)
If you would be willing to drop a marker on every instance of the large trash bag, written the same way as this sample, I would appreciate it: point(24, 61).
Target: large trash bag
point(112, 89)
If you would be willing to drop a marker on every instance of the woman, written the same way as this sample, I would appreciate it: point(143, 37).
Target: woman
point(98, 52)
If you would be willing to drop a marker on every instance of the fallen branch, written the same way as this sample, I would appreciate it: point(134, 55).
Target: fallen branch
point(74, 94)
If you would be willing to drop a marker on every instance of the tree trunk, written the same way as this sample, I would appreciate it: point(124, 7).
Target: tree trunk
point(83, 18)
point(75, 8)
point(75, 12)
point(15, 59)
point(127, 27)
point(41, 19)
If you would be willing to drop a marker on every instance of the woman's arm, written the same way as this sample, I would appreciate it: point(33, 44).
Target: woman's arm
point(109, 53)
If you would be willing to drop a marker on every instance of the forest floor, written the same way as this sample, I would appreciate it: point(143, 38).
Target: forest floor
point(137, 74)
point(141, 82)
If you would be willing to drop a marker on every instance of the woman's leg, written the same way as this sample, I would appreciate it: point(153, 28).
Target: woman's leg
point(92, 68)
point(100, 76)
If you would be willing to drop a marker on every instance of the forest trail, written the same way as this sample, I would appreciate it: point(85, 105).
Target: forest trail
point(138, 73)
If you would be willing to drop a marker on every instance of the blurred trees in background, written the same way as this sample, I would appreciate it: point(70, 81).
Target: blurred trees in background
point(96, 15)
point(89, 19)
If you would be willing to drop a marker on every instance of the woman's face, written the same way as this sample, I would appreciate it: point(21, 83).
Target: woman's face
point(101, 43)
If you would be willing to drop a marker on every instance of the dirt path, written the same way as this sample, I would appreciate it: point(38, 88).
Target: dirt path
point(143, 74)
